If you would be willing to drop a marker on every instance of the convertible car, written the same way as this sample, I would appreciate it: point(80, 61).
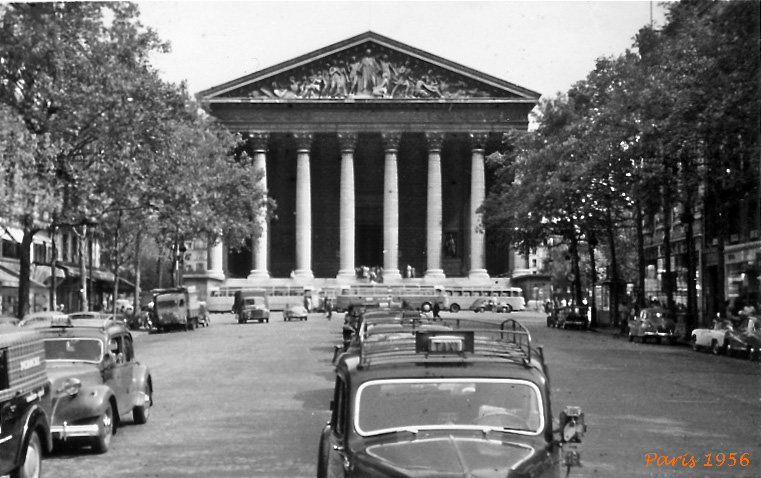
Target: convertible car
point(714, 339)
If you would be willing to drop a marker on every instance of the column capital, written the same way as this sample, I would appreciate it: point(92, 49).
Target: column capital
point(435, 140)
point(347, 141)
point(391, 140)
point(478, 141)
point(303, 141)
point(258, 141)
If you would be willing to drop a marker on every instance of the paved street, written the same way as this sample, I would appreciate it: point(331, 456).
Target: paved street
point(250, 401)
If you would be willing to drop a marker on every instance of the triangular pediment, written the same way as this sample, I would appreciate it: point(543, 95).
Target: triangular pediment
point(368, 66)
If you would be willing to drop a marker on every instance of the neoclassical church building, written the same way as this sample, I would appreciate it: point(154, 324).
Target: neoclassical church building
point(374, 153)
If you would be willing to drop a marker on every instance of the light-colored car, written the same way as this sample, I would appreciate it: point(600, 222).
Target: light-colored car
point(295, 312)
point(714, 339)
point(40, 318)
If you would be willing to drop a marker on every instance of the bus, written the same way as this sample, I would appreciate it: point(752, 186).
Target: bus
point(414, 296)
point(279, 297)
point(463, 297)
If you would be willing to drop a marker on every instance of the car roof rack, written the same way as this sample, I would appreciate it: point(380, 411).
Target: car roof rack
point(391, 340)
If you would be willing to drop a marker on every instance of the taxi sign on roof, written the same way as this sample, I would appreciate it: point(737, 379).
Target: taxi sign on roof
point(444, 342)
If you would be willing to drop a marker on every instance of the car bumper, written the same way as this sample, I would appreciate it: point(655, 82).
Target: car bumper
point(62, 432)
point(667, 335)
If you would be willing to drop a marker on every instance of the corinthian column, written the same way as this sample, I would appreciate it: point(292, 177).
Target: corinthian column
point(303, 207)
point(260, 245)
point(347, 142)
point(477, 196)
point(434, 208)
point(390, 209)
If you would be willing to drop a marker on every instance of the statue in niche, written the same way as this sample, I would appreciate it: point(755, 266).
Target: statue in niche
point(450, 245)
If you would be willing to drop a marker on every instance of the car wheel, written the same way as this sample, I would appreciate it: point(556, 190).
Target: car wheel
point(101, 442)
point(454, 308)
point(508, 308)
point(694, 342)
point(267, 320)
point(715, 347)
point(31, 467)
point(141, 413)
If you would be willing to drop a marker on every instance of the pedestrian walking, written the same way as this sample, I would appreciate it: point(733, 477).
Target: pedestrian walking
point(329, 307)
point(436, 310)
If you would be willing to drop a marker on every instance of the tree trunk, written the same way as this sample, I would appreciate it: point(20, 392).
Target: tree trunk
point(25, 267)
point(136, 304)
point(592, 242)
point(574, 250)
point(641, 265)
point(614, 279)
point(83, 270)
point(690, 322)
point(667, 279)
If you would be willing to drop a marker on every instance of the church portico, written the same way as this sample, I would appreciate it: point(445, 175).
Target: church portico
point(379, 167)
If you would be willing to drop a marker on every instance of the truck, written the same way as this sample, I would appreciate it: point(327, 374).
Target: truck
point(176, 307)
point(24, 402)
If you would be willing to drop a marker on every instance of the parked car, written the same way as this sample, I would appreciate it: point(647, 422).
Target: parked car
point(488, 304)
point(9, 320)
point(24, 387)
point(653, 323)
point(455, 402)
point(40, 318)
point(569, 316)
point(746, 338)
point(714, 339)
point(295, 312)
point(252, 304)
point(96, 381)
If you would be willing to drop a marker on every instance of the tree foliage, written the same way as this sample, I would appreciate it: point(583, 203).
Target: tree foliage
point(645, 133)
point(106, 141)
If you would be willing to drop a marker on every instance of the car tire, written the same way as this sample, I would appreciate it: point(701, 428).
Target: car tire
point(267, 320)
point(715, 347)
point(508, 308)
point(141, 413)
point(31, 467)
point(101, 442)
point(454, 308)
point(694, 342)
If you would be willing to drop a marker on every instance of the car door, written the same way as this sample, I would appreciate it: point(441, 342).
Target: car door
point(336, 444)
point(120, 375)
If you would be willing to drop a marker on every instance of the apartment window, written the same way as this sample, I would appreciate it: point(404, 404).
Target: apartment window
point(10, 249)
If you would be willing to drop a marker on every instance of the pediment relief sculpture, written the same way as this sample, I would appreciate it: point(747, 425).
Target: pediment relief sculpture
point(368, 71)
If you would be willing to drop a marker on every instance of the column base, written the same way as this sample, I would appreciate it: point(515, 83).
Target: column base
point(478, 274)
point(303, 274)
point(258, 274)
point(391, 276)
point(347, 275)
point(435, 274)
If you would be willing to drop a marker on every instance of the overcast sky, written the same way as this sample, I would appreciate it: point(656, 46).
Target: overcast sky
point(542, 46)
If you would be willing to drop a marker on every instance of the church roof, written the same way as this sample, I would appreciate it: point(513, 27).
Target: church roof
point(368, 67)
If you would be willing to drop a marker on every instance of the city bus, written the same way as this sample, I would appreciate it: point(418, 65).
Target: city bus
point(279, 297)
point(463, 297)
point(414, 296)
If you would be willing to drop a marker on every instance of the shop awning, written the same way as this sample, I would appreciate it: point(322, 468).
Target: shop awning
point(10, 278)
point(97, 275)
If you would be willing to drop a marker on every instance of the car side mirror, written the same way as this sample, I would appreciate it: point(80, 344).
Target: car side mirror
point(572, 429)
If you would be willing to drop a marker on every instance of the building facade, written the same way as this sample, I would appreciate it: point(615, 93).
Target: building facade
point(374, 152)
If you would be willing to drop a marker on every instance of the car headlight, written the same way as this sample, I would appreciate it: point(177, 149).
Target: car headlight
point(72, 387)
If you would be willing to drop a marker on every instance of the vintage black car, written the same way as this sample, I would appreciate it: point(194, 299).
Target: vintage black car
point(24, 386)
point(745, 339)
point(96, 380)
point(453, 398)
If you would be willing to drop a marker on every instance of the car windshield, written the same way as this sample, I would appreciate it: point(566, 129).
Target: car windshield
point(412, 404)
point(78, 350)
point(167, 304)
point(250, 301)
